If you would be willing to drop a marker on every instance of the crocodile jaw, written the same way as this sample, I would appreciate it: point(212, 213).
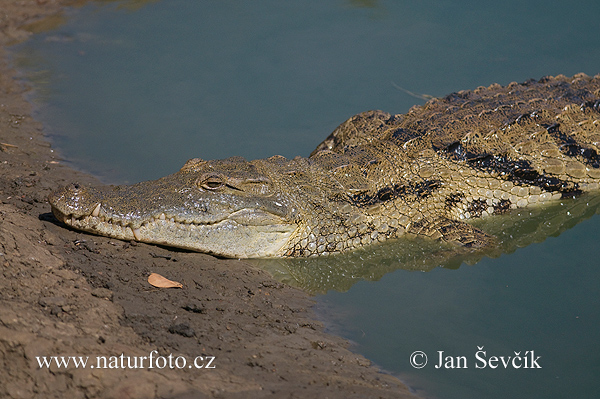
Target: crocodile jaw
point(245, 233)
point(227, 238)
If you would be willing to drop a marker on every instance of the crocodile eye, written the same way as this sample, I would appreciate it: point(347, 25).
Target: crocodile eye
point(212, 182)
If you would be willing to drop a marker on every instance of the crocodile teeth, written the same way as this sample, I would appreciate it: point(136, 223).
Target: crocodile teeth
point(136, 234)
point(96, 211)
point(162, 216)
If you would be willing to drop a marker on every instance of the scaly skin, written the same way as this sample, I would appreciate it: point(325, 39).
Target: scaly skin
point(378, 176)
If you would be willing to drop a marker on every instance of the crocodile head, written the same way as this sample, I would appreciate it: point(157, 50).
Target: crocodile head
point(226, 207)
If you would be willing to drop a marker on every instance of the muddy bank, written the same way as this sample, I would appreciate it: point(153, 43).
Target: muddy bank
point(63, 293)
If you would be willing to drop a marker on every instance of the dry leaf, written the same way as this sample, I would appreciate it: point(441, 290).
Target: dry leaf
point(159, 281)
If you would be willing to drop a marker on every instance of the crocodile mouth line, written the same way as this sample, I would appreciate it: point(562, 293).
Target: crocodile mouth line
point(98, 221)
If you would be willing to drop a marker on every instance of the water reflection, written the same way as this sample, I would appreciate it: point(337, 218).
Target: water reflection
point(515, 230)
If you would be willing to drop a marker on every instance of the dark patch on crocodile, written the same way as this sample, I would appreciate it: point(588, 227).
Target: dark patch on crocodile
point(385, 194)
point(522, 173)
point(400, 135)
point(571, 148)
point(476, 207)
point(572, 193)
point(570, 94)
point(553, 129)
point(411, 191)
point(501, 207)
point(588, 155)
point(592, 105)
point(454, 199)
point(519, 171)
point(458, 151)
point(425, 188)
point(530, 116)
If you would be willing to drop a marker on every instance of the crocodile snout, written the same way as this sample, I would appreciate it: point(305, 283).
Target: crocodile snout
point(74, 200)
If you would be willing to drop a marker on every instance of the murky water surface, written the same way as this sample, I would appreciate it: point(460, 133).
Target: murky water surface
point(130, 90)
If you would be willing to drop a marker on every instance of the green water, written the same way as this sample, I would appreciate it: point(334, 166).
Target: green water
point(131, 94)
point(543, 299)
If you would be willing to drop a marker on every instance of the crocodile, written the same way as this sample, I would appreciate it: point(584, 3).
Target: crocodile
point(429, 172)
